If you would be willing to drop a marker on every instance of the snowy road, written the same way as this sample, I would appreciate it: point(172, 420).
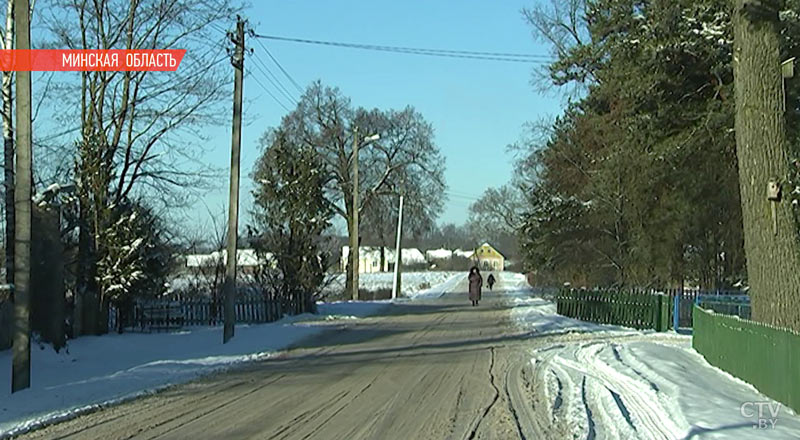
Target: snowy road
point(438, 368)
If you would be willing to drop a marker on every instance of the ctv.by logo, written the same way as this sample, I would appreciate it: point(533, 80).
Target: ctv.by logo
point(766, 412)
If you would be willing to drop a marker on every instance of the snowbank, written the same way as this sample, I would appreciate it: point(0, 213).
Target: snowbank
point(606, 381)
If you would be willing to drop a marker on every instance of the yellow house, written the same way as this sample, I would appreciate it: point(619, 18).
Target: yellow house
point(487, 258)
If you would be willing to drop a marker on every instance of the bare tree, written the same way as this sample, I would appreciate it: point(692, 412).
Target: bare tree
point(405, 160)
point(6, 89)
point(136, 128)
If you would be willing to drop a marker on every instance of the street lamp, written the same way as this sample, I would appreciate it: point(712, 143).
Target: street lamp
point(398, 259)
point(354, 235)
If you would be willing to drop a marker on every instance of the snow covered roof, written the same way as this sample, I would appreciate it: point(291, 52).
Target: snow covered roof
point(410, 256)
point(463, 254)
point(439, 254)
point(244, 258)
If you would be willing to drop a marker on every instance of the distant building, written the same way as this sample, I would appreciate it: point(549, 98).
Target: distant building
point(463, 254)
point(438, 254)
point(369, 258)
point(488, 258)
point(246, 259)
point(410, 256)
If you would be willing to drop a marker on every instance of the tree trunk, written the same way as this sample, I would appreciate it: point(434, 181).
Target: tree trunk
point(773, 254)
point(86, 283)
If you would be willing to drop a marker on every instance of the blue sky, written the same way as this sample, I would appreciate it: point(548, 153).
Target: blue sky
point(476, 107)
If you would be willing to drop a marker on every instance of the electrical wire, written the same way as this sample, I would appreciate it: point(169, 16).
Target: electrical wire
point(461, 196)
point(260, 66)
point(275, 60)
point(488, 56)
point(275, 98)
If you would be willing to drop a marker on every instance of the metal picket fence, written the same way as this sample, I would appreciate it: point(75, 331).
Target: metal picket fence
point(168, 314)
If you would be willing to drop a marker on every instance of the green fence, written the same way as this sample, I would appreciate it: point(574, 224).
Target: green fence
point(629, 309)
point(766, 357)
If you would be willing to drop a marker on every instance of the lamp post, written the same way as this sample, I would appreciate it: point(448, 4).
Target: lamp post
point(398, 259)
point(354, 236)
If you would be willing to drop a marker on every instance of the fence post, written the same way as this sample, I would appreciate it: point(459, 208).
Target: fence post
point(676, 311)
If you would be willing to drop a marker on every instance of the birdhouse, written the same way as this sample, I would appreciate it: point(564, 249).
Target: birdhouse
point(773, 191)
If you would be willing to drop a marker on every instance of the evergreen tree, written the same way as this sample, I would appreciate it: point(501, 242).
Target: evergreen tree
point(289, 218)
point(637, 182)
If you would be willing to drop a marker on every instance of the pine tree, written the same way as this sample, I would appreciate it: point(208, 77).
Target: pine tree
point(290, 215)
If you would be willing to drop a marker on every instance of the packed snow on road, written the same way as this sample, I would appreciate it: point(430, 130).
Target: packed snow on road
point(79, 380)
point(98, 371)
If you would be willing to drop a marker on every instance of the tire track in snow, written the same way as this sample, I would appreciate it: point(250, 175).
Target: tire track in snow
point(645, 409)
point(632, 401)
point(488, 408)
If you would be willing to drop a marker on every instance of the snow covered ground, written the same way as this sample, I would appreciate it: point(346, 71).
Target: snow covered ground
point(103, 370)
point(413, 282)
point(610, 382)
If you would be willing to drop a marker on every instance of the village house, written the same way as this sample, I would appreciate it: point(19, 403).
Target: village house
point(247, 260)
point(488, 258)
point(369, 258)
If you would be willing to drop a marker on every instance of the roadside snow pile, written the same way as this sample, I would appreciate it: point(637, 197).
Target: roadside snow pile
point(103, 370)
point(440, 287)
point(603, 381)
point(538, 315)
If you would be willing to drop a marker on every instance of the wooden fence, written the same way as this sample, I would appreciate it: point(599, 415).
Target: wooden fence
point(157, 315)
point(682, 301)
point(635, 309)
point(761, 355)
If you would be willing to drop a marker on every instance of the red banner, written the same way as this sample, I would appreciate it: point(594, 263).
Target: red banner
point(49, 60)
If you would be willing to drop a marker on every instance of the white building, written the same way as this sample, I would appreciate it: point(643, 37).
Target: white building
point(463, 254)
point(369, 258)
point(245, 259)
point(438, 254)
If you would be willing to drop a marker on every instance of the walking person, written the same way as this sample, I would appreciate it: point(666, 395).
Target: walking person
point(475, 284)
point(490, 281)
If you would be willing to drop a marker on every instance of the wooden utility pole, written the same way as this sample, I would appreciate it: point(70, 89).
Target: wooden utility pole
point(21, 361)
point(770, 230)
point(398, 259)
point(229, 286)
point(354, 236)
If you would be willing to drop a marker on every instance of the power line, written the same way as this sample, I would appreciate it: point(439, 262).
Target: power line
point(488, 56)
point(273, 79)
point(461, 196)
point(270, 93)
point(275, 60)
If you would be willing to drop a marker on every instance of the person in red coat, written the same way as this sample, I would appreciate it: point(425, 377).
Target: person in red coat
point(475, 284)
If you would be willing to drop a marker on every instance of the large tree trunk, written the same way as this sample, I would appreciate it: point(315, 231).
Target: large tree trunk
point(773, 256)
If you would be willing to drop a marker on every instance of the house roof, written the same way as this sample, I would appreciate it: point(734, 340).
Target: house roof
point(410, 255)
point(487, 251)
point(244, 257)
point(439, 254)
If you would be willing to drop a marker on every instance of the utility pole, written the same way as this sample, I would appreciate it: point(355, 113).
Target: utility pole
point(354, 236)
point(229, 287)
point(398, 260)
point(21, 358)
